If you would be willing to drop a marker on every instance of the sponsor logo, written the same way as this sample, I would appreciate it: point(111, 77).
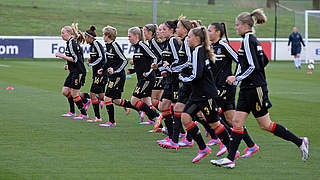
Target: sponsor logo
point(9, 49)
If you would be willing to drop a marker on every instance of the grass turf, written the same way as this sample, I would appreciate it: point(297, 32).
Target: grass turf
point(36, 143)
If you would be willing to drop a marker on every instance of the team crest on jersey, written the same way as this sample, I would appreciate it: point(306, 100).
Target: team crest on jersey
point(138, 49)
point(218, 51)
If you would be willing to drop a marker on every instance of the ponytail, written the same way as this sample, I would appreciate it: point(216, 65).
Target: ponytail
point(247, 18)
point(153, 28)
point(77, 34)
point(222, 28)
point(91, 31)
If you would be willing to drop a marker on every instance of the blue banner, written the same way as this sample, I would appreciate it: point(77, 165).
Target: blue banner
point(16, 48)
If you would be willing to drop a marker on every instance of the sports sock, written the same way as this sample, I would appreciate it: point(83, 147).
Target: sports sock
point(246, 138)
point(71, 103)
point(177, 126)
point(195, 133)
point(206, 126)
point(223, 135)
point(236, 136)
point(95, 104)
point(141, 106)
point(285, 134)
point(110, 110)
point(79, 104)
point(168, 121)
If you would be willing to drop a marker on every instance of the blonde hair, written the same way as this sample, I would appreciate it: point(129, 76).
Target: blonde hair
point(75, 33)
point(110, 32)
point(137, 31)
point(247, 18)
point(202, 33)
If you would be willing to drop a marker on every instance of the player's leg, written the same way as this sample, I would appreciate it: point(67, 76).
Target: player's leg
point(66, 91)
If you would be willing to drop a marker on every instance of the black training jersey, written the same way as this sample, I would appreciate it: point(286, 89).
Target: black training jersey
point(156, 48)
point(170, 52)
point(143, 57)
point(225, 55)
point(184, 57)
point(115, 58)
point(201, 79)
point(296, 40)
point(251, 69)
point(74, 50)
point(97, 58)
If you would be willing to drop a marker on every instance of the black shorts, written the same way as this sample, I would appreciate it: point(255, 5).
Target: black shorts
point(208, 107)
point(74, 80)
point(295, 51)
point(158, 85)
point(115, 86)
point(184, 93)
point(227, 101)
point(144, 88)
point(171, 88)
point(255, 100)
point(98, 84)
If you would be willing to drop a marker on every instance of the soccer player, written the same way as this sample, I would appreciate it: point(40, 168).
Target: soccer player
point(96, 61)
point(116, 62)
point(74, 57)
point(202, 99)
point(172, 82)
point(142, 59)
point(253, 95)
point(225, 55)
point(295, 39)
point(155, 44)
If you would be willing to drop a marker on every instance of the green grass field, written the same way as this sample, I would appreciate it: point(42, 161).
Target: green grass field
point(19, 18)
point(36, 143)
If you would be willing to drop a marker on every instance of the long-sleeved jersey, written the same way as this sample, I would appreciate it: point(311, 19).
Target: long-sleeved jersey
point(143, 57)
point(115, 58)
point(156, 48)
point(296, 40)
point(97, 58)
point(251, 63)
point(201, 79)
point(225, 55)
point(170, 52)
point(74, 50)
point(184, 57)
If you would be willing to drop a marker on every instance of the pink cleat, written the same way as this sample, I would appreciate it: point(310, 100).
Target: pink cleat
point(170, 144)
point(147, 122)
point(213, 142)
point(223, 149)
point(141, 114)
point(86, 105)
point(201, 154)
point(68, 114)
point(81, 116)
point(94, 120)
point(250, 151)
point(182, 135)
point(101, 104)
point(108, 124)
point(185, 143)
point(163, 140)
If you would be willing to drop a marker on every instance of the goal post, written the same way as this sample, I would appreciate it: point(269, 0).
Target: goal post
point(306, 30)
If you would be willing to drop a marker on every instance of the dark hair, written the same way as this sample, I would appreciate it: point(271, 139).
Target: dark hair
point(189, 24)
point(222, 28)
point(153, 28)
point(172, 24)
point(91, 31)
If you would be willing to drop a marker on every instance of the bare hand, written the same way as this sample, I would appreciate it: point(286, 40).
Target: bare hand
point(131, 61)
point(88, 61)
point(231, 79)
point(164, 73)
point(59, 55)
point(165, 63)
point(66, 67)
point(154, 66)
point(110, 70)
point(100, 71)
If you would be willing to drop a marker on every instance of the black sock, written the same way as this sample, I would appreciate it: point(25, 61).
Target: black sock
point(196, 135)
point(284, 133)
point(127, 104)
point(246, 138)
point(206, 126)
point(224, 137)
point(110, 109)
point(96, 110)
point(81, 107)
point(234, 144)
point(71, 104)
point(189, 138)
point(84, 100)
point(177, 126)
point(168, 121)
point(225, 123)
point(148, 110)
